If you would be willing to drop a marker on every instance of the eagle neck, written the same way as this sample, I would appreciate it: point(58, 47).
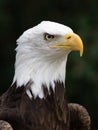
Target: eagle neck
point(38, 72)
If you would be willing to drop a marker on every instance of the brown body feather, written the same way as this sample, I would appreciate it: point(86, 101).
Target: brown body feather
point(79, 117)
point(49, 113)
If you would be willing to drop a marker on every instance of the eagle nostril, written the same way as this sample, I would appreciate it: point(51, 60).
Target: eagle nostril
point(68, 37)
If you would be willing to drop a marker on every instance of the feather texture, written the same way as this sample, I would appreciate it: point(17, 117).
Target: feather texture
point(79, 117)
point(36, 99)
point(37, 114)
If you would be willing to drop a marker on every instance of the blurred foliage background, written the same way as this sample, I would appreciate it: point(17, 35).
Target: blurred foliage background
point(82, 16)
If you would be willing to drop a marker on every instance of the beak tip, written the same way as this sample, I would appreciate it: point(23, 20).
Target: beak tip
point(81, 53)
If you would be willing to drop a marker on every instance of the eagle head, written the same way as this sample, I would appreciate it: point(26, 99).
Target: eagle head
point(42, 54)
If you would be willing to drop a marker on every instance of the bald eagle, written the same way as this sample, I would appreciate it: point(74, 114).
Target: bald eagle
point(36, 99)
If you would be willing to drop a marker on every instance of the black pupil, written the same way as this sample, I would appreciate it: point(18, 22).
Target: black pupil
point(50, 36)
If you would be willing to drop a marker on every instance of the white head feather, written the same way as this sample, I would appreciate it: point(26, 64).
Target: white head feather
point(38, 63)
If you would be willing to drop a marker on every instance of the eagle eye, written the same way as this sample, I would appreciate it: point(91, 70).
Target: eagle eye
point(48, 37)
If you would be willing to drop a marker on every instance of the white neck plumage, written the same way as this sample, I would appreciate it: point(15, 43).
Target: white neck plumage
point(38, 71)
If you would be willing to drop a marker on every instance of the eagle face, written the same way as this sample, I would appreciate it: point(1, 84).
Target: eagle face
point(49, 38)
point(42, 55)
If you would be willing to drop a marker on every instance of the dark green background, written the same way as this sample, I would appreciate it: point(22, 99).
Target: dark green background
point(82, 16)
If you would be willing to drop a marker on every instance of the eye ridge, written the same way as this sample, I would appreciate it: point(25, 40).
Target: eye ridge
point(48, 36)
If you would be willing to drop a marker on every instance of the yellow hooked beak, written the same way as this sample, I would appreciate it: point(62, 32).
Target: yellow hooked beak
point(71, 42)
